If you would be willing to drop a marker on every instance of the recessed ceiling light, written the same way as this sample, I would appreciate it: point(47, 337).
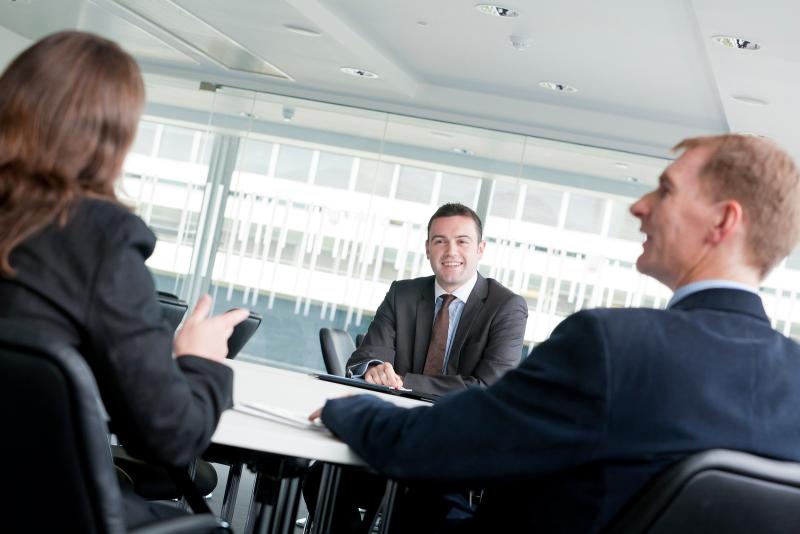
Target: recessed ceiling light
point(299, 30)
point(736, 42)
point(248, 115)
point(496, 11)
point(360, 73)
point(442, 134)
point(749, 100)
point(632, 179)
point(555, 86)
point(621, 165)
point(463, 151)
point(287, 113)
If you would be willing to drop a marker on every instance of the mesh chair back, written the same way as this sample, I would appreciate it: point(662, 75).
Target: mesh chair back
point(242, 333)
point(718, 491)
point(57, 470)
point(337, 346)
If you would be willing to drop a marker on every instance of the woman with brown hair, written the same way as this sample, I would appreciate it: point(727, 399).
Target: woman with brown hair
point(72, 257)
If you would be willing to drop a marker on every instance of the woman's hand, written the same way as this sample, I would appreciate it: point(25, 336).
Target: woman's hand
point(206, 336)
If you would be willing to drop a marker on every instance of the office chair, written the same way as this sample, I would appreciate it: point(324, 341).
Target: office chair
point(717, 491)
point(174, 308)
point(242, 333)
point(337, 346)
point(150, 481)
point(57, 472)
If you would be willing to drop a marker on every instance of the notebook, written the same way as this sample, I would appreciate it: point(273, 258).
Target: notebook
point(279, 415)
point(359, 383)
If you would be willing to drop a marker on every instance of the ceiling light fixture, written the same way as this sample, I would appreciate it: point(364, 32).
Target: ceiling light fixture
point(248, 115)
point(632, 179)
point(463, 151)
point(560, 87)
point(442, 134)
point(738, 43)
point(749, 100)
point(496, 11)
point(621, 165)
point(359, 73)
point(287, 114)
point(299, 30)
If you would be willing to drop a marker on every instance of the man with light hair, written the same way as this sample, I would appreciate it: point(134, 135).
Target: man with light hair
point(614, 396)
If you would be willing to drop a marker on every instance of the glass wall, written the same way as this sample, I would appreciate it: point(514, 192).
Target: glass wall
point(306, 212)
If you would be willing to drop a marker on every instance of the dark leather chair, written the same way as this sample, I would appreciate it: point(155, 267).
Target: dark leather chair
point(151, 481)
point(242, 334)
point(717, 491)
point(57, 470)
point(337, 346)
point(174, 308)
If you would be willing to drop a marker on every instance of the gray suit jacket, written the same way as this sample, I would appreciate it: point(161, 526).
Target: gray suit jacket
point(487, 343)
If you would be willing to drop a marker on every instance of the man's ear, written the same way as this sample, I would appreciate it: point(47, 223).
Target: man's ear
point(481, 246)
point(427, 250)
point(728, 216)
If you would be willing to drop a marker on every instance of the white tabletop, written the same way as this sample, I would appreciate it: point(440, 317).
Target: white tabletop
point(299, 393)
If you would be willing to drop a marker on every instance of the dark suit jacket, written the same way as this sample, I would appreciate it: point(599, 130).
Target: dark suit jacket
point(612, 398)
point(486, 344)
point(86, 284)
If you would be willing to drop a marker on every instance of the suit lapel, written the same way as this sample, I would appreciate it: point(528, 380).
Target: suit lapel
point(422, 334)
point(471, 310)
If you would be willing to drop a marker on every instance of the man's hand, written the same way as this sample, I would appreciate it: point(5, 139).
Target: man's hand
point(316, 414)
point(383, 374)
point(205, 336)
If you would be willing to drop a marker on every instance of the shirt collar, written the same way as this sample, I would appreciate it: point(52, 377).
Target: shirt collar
point(684, 291)
point(462, 293)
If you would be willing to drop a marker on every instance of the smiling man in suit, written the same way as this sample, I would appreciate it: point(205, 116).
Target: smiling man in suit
point(614, 396)
point(417, 342)
point(436, 334)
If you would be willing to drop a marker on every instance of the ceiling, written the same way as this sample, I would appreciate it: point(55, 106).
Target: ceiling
point(648, 73)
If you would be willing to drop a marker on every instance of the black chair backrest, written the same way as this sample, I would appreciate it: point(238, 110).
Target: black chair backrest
point(337, 346)
point(57, 469)
point(242, 333)
point(174, 308)
point(717, 491)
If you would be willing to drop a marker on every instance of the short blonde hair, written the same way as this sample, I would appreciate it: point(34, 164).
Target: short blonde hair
point(765, 181)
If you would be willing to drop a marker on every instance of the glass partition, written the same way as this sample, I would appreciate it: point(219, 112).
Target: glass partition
point(306, 212)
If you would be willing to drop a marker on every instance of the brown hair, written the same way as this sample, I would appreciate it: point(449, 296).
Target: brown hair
point(456, 209)
point(765, 181)
point(69, 109)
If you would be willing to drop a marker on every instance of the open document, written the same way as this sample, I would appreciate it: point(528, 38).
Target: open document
point(278, 415)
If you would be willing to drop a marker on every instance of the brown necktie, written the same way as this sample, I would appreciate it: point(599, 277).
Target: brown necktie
point(434, 361)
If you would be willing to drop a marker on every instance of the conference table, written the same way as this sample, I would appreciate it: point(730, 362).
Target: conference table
point(280, 452)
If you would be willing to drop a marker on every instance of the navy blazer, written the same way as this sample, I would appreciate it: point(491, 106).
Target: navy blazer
point(612, 398)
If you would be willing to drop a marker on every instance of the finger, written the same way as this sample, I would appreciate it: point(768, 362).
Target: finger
point(200, 310)
point(316, 414)
point(234, 317)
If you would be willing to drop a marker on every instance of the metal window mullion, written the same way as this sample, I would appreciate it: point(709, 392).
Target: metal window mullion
point(220, 170)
